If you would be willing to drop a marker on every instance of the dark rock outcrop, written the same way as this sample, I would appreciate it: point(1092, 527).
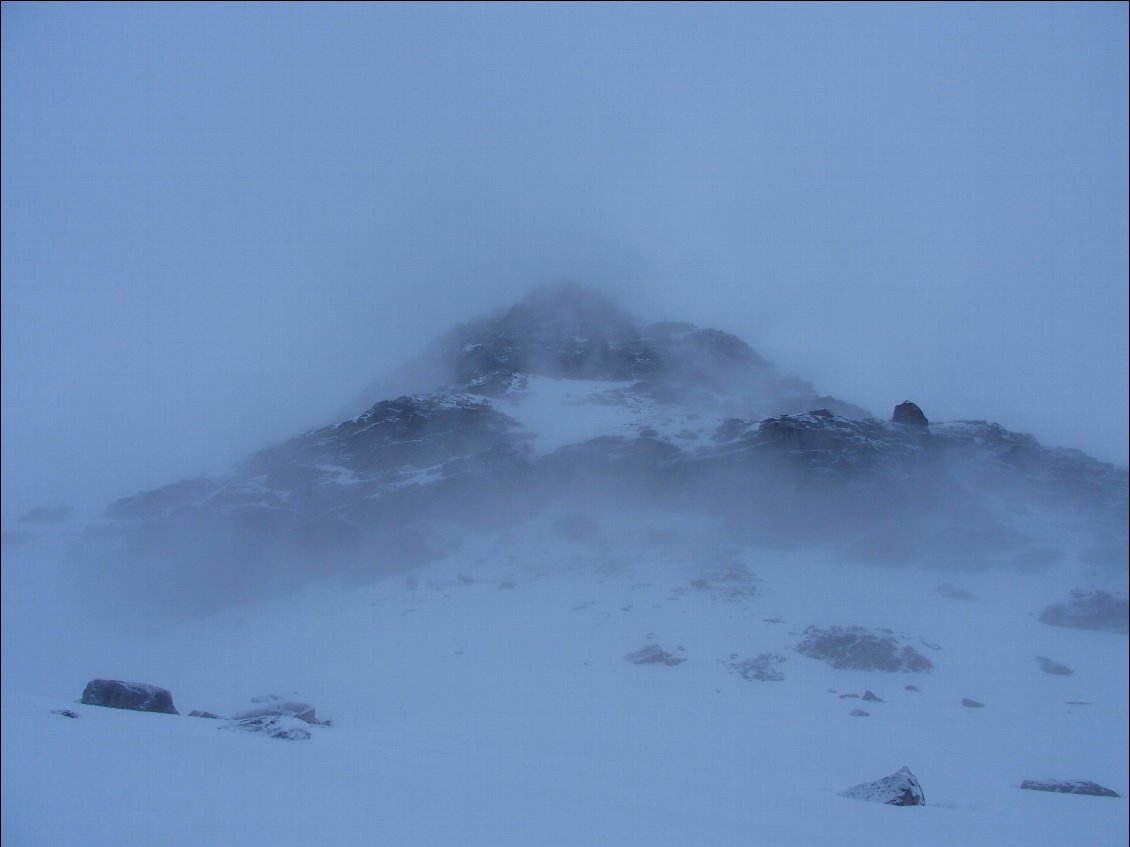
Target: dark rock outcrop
point(856, 648)
point(138, 696)
point(1069, 786)
point(908, 413)
point(873, 697)
point(66, 713)
point(899, 789)
point(1097, 610)
point(653, 654)
point(198, 713)
point(1054, 668)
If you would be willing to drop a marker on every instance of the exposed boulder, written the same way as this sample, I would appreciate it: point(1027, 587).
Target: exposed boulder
point(1097, 610)
point(197, 713)
point(653, 654)
point(857, 648)
point(1055, 668)
point(909, 413)
point(872, 697)
point(971, 704)
point(66, 713)
point(899, 789)
point(138, 696)
point(1069, 786)
point(860, 713)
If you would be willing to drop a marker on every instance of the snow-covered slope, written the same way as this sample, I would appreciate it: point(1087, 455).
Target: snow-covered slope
point(485, 699)
point(591, 582)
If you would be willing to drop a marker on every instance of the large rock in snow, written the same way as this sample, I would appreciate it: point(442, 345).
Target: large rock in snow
point(899, 789)
point(909, 413)
point(1090, 610)
point(856, 648)
point(138, 696)
point(1069, 786)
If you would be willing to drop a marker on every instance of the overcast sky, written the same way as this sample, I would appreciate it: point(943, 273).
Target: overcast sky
point(221, 221)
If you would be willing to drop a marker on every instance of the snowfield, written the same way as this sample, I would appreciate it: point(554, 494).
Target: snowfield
point(485, 700)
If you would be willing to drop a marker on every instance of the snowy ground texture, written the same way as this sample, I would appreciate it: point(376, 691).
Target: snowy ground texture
point(486, 700)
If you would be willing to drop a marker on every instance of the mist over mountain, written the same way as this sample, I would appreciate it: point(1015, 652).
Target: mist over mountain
point(566, 403)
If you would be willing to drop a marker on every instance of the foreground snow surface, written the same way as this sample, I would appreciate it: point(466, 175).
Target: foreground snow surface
point(485, 699)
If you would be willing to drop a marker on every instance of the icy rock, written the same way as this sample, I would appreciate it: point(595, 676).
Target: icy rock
point(860, 713)
point(971, 704)
point(653, 654)
point(1090, 610)
point(1069, 786)
point(138, 696)
point(1055, 668)
point(198, 713)
point(856, 648)
point(272, 705)
point(913, 688)
point(66, 713)
point(909, 413)
point(873, 697)
point(284, 727)
point(899, 789)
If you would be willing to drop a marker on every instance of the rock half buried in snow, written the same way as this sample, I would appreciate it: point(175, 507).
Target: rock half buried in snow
point(272, 705)
point(653, 654)
point(971, 704)
point(285, 727)
point(138, 696)
point(857, 648)
point(1069, 786)
point(899, 789)
point(1055, 668)
point(1090, 610)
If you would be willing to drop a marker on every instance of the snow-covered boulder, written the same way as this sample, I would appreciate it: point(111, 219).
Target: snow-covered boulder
point(138, 696)
point(1069, 786)
point(899, 789)
point(1049, 666)
point(272, 705)
point(285, 727)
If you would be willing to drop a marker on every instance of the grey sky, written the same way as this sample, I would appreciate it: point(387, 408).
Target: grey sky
point(220, 221)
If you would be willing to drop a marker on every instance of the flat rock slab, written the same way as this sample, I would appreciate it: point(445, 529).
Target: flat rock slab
point(1069, 786)
point(899, 789)
point(138, 696)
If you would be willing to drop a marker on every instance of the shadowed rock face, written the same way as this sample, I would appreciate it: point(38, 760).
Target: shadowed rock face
point(899, 789)
point(138, 696)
